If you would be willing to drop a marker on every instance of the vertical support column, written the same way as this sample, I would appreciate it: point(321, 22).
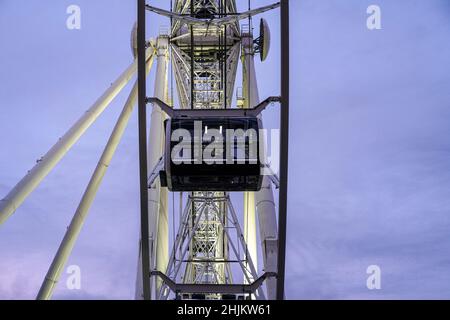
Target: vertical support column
point(143, 175)
point(264, 200)
point(251, 99)
point(284, 147)
point(157, 196)
point(192, 57)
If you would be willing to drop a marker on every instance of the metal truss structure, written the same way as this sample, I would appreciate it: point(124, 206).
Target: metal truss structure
point(206, 44)
point(204, 60)
point(211, 251)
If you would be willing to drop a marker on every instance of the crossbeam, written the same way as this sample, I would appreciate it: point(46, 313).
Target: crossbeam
point(213, 288)
point(195, 113)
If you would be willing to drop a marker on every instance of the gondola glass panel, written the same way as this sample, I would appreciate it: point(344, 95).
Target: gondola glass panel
point(212, 154)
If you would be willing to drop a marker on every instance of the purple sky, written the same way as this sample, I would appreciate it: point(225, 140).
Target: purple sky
point(370, 146)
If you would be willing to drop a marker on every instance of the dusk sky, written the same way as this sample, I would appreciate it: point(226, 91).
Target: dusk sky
point(369, 175)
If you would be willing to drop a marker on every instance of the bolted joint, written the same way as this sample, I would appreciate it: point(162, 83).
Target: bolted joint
point(162, 45)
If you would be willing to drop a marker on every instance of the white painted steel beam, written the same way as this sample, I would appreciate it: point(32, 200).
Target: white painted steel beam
point(20, 192)
point(264, 200)
point(82, 211)
point(157, 196)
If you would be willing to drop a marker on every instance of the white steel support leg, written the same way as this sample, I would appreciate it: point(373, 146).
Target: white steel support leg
point(264, 200)
point(28, 183)
point(265, 206)
point(250, 227)
point(252, 272)
point(251, 98)
point(157, 197)
point(77, 222)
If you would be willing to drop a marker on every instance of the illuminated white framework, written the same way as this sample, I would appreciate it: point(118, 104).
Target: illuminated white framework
point(204, 46)
point(204, 251)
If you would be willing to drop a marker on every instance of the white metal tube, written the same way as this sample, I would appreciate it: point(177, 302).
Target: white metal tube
point(157, 197)
point(250, 228)
point(77, 222)
point(264, 200)
point(251, 99)
point(28, 183)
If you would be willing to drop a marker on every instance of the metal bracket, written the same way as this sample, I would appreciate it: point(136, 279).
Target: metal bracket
point(213, 288)
point(196, 113)
point(273, 177)
point(213, 20)
point(155, 172)
point(275, 180)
